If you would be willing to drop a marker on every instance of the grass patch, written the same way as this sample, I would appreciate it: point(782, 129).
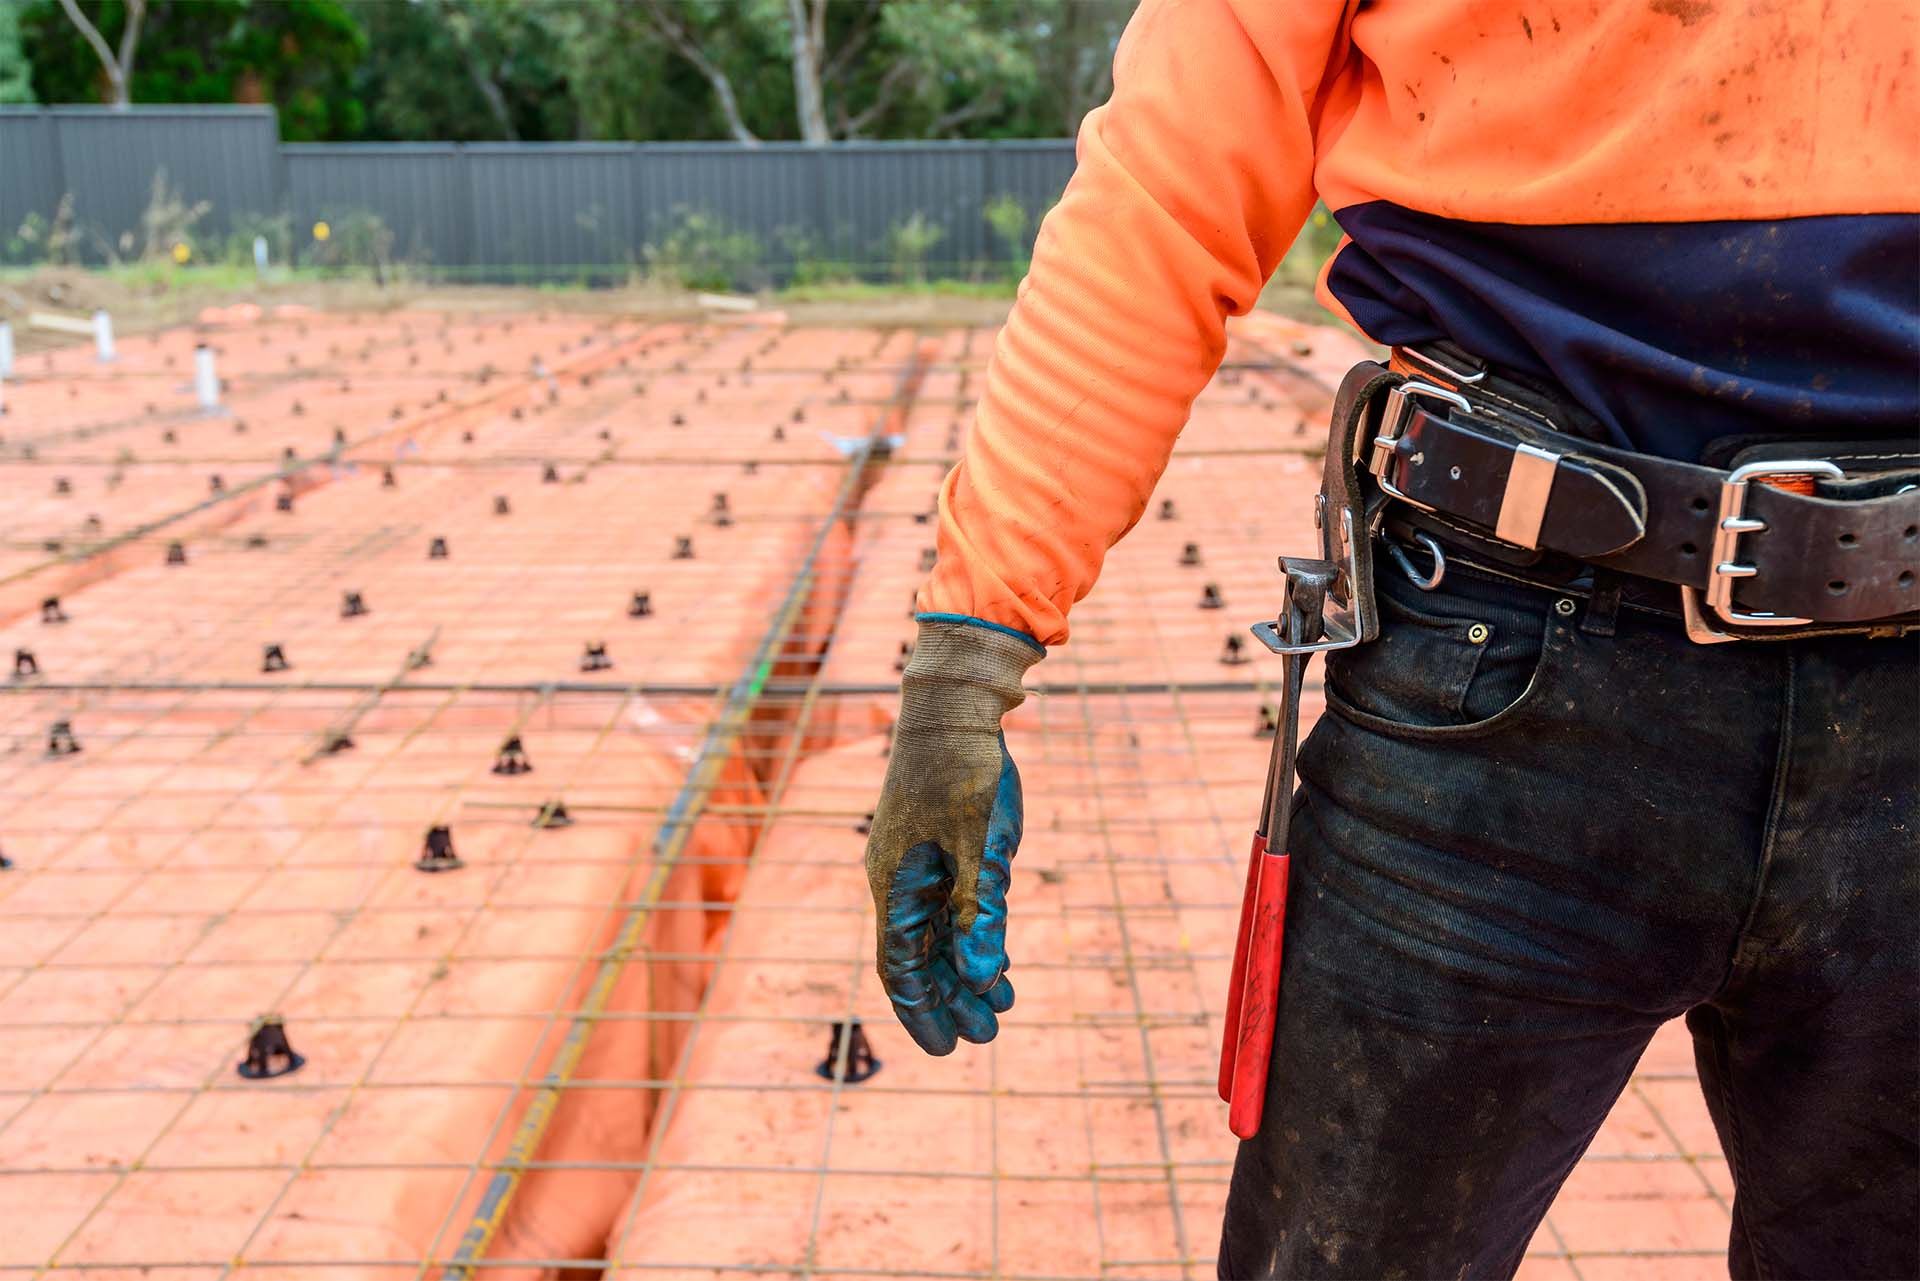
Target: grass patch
point(167, 277)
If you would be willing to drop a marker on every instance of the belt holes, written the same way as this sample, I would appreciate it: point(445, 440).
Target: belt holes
point(1848, 540)
point(1698, 504)
point(1838, 587)
point(1906, 578)
point(1688, 549)
point(1913, 531)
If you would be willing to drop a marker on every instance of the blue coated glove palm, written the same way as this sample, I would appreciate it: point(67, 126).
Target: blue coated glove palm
point(940, 852)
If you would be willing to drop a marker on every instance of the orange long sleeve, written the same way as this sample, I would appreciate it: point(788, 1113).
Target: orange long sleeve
point(1696, 218)
point(1191, 183)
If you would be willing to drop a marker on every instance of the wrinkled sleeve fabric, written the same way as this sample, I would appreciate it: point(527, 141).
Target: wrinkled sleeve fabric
point(1190, 184)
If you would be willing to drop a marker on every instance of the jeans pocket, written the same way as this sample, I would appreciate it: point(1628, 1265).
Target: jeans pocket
point(1445, 665)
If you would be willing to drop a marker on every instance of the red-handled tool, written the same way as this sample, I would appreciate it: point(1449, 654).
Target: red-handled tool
point(1265, 927)
point(1253, 992)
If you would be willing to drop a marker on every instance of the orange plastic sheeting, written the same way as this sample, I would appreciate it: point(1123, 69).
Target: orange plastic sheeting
point(889, 545)
point(203, 858)
point(603, 1117)
point(982, 1161)
point(211, 878)
point(516, 597)
point(414, 388)
point(104, 453)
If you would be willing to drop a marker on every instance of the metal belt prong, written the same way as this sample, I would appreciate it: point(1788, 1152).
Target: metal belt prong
point(1733, 522)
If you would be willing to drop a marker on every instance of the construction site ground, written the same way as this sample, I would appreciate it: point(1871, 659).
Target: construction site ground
point(489, 699)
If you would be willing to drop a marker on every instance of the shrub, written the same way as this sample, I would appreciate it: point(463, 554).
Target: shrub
point(699, 251)
point(37, 241)
point(168, 220)
point(28, 243)
point(356, 238)
point(1007, 220)
point(908, 244)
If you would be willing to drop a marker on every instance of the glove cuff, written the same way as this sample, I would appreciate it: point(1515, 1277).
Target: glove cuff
point(964, 675)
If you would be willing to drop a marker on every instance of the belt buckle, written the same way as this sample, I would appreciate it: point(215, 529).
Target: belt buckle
point(1731, 523)
point(1393, 419)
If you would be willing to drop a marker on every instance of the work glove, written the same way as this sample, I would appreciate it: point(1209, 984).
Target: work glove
point(940, 851)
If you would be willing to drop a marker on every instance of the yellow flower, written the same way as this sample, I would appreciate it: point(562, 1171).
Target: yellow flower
point(182, 251)
point(321, 231)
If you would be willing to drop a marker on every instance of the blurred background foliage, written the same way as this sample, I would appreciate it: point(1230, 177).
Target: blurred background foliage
point(564, 70)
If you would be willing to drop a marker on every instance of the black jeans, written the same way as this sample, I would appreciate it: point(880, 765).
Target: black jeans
point(1528, 834)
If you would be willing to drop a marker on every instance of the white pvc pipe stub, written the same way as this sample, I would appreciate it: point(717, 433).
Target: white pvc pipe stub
point(103, 334)
point(206, 382)
point(6, 350)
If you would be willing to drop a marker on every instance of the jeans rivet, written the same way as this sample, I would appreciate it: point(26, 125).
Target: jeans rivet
point(1478, 633)
point(1564, 607)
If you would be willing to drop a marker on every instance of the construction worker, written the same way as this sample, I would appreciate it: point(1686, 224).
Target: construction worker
point(1616, 579)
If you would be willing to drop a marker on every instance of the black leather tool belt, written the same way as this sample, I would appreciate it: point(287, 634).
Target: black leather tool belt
point(1768, 539)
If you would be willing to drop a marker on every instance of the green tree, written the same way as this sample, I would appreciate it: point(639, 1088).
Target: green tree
point(464, 71)
point(16, 73)
point(84, 53)
point(542, 70)
point(295, 54)
point(627, 83)
point(816, 70)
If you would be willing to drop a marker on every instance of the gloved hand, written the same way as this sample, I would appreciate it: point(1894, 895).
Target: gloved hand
point(940, 851)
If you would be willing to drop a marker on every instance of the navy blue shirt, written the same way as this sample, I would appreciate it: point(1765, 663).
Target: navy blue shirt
point(1671, 334)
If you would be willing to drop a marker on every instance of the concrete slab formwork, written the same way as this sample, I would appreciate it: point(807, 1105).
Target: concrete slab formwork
point(592, 1046)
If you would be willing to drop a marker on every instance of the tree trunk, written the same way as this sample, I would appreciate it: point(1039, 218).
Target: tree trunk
point(118, 67)
point(495, 98)
point(809, 35)
point(684, 45)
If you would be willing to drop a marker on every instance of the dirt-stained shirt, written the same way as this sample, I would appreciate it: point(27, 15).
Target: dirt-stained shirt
point(1696, 216)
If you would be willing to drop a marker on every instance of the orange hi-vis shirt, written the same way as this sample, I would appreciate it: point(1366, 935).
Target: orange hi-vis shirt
point(1698, 217)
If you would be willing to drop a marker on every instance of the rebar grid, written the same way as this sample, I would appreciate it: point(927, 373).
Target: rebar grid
point(1142, 755)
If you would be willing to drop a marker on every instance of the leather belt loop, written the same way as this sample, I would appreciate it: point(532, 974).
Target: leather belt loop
point(1601, 617)
point(1523, 505)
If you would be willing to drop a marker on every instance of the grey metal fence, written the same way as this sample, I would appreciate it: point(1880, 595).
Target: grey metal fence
point(107, 161)
point(499, 211)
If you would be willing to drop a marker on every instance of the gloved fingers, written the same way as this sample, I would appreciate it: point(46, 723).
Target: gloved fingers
point(921, 954)
point(972, 1018)
point(980, 951)
point(914, 941)
point(915, 909)
point(923, 1011)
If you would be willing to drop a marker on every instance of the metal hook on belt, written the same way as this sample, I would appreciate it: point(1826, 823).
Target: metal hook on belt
point(1425, 582)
